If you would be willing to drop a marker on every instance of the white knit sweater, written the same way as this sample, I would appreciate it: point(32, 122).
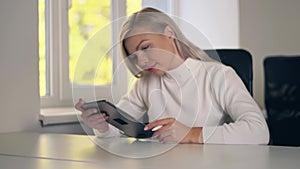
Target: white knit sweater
point(199, 94)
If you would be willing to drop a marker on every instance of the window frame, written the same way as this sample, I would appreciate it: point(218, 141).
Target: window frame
point(57, 55)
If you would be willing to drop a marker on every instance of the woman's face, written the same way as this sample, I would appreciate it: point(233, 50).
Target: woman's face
point(156, 53)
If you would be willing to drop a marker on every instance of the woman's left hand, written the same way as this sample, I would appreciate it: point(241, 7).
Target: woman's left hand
point(170, 130)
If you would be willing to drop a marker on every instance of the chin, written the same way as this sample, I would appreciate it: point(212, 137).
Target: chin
point(159, 72)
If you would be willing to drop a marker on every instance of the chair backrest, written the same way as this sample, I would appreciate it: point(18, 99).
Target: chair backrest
point(282, 99)
point(239, 59)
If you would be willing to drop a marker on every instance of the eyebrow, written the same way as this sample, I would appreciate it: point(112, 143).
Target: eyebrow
point(137, 47)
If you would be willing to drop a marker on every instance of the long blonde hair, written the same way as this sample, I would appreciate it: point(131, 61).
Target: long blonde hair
point(157, 21)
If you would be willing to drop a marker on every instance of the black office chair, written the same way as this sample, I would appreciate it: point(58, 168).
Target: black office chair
point(239, 59)
point(282, 99)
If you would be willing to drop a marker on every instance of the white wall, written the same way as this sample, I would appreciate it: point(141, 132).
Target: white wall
point(19, 97)
point(263, 27)
point(218, 20)
point(268, 27)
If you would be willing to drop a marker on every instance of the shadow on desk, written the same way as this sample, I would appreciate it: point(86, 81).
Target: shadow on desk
point(67, 128)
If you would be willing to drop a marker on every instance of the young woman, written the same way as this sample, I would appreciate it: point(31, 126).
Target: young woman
point(188, 96)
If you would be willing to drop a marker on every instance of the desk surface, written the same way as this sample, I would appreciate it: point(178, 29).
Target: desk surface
point(16, 162)
point(34, 150)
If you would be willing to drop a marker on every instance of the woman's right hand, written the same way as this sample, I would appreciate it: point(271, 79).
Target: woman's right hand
point(92, 118)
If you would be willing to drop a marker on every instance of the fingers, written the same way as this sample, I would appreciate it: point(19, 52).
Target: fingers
point(161, 122)
point(95, 120)
point(170, 131)
point(79, 104)
point(167, 136)
point(163, 130)
point(165, 127)
point(92, 117)
point(88, 112)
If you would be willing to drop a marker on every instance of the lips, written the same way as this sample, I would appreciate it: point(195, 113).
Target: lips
point(152, 68)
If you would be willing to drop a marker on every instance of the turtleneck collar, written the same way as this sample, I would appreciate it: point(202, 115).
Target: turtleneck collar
point(184, 71)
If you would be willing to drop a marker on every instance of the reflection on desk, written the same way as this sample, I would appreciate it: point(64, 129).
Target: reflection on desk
point(60, 149)
point(16, 162)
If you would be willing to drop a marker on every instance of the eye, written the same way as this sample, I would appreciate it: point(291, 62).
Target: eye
point(144, 48)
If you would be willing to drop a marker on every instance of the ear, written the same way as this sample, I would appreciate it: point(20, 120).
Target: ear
point(169, 32)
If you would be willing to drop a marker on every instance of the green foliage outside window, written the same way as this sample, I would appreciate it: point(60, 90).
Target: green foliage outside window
point(42, 63)
point(86, 18)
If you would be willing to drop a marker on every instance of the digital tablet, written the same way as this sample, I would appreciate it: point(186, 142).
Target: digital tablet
point(120, 119)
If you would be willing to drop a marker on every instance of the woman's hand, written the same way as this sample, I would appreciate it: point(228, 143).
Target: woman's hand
point(92, 118)
point(173, 131)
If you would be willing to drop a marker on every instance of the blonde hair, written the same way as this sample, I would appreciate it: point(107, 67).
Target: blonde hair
point(157, 21)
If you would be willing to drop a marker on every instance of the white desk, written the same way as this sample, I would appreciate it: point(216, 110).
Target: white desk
point(15, 162)
point(33, 150)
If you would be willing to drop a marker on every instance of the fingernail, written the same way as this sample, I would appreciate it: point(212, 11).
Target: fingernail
point(146, 128)
point(156, 128)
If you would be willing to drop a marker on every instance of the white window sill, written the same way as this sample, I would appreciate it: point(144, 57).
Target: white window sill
point(54, 116)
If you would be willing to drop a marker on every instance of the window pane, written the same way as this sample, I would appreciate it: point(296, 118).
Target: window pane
point(42, 63)
point(132, 6)
point(86, 17)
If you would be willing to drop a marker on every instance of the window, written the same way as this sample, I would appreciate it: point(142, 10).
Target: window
point(42, 44)
point(65, 27)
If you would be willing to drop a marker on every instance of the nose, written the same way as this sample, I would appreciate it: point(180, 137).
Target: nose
point(143, 61)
